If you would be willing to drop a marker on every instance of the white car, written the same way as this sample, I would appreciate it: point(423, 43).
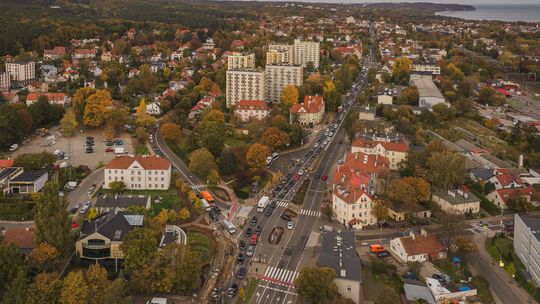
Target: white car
point(301, 172)
point(316, 145)
point(341, 161)
point(87, 204)
point(330, 134)
point(83, 210)
point(77, 205)
point(290, 225)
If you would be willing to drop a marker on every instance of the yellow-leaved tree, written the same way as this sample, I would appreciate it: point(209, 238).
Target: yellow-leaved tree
point(143, 118)
point(289, 97)
point(97, 106)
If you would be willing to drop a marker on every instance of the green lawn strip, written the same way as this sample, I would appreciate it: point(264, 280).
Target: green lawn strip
point(202, 244)
point(231, 141)
point(141, 150)
point(298, 198)
point(249, 289)
point(16, 210)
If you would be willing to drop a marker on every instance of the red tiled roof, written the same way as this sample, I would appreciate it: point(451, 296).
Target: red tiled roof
point(5, 163)
point(252, 104)
point(422, 244)
point(50, 96)
point(397, 147)
point(22, 237)
point(311, 104)
point(148, 163)
point(504, 179)
point(85, 51)
point(505, 194)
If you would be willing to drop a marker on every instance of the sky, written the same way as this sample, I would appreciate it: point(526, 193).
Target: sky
point(470, 2)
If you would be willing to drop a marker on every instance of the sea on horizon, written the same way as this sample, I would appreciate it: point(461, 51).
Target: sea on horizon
point(509, 13)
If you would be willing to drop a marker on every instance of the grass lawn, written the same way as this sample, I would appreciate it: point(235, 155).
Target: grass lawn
point(298, 198)
point(141, 150)
point(16, 210)
point(169, 198)
point(202, 244)
point(231, 141)
point(177, 149)
point(381, 278)
point(249, 289)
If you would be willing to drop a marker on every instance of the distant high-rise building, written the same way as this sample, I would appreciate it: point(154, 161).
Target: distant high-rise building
point(238, 61)
point(305, 52)
point(279, 76)
point(21, 71)
point(5, 81)
point(242, 85)
point(280, 54)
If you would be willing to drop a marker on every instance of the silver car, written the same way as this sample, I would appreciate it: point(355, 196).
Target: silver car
point(250, 251)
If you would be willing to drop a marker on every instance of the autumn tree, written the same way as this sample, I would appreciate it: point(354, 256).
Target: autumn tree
point(184, 214)
point(464, 245)
point(490, 96)
point(316, 285)
point(401, 70)
point(289, 96)
point(44, 257)
point(96, 281)
point(507, 58)
point(446, 169)
point(78, 101)
point(327, 211)
point(52, 220)
point(518, 202)
point(18, 288)
point(46, 288)
point(274, 138)
point(144, 119)
point(97, 106)
point(212, 132)
point(409, 190)
point(380, 211)
point(256, 156)
point(68, 124)
point(411, 95)
point(74, 288)
point(170, 131)
point(202, 162)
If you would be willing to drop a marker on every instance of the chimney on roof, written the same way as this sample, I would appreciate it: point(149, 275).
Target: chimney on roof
point(413, 235)
point(356, 155)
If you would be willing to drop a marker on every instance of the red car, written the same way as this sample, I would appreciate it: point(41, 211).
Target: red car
point(109, 150)
point(324, 177)
point(296, 177)
point(253, 240)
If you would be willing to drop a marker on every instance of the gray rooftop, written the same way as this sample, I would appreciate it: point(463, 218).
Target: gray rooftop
point(338, 252)
point(427, 88)
point(113, 226)
point(115, 201)
point(415, 290)
point(455, 198)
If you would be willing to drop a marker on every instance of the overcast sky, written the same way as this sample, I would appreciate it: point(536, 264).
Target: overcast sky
point(471, 2)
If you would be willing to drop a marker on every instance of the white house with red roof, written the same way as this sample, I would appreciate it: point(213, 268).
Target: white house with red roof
point(504, 179)
point(310, 112)
point(247, 109)
point(54, 98)
point(201, 105)
point(396, 152)
point(418, 248)
point(353, 189)
point(139, 172)
point(56, 53)
point(500, 197)
point(84, 54)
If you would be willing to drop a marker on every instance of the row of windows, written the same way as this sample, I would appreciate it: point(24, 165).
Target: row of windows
point(134, 172)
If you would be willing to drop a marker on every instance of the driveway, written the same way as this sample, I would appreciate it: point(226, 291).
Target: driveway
point(80, 193)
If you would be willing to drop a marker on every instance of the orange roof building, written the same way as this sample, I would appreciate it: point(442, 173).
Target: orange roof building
point(418, 248)
point(139, 172)
point(23, 238)
point(396, 152)
point(247, 109)
point(354, 186)
point(310, 112)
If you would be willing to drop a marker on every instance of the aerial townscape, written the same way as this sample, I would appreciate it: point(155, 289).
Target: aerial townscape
point(269, 152)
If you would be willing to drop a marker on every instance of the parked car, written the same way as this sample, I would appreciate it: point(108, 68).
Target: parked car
point(442, 278)
point(248, 232)
point(109, 149)
point(240, 258)
point(250, 251)
point(410, 276)
point(231, 292)
point(324, 177)
point(290, 225)
point(258, 230)
point(242, 245)
point(254, 221)
point(383, 254)
point(241, 273)
point(268, 211)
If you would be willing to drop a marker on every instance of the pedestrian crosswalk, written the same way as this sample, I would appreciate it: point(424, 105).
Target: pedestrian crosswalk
point(310, 213)
point(283, 204)
point(197, 187)
point(280, 276)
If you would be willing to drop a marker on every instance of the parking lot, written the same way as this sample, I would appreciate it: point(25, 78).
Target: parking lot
point(75, 150)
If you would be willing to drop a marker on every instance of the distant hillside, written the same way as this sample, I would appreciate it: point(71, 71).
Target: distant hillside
point(420, 6)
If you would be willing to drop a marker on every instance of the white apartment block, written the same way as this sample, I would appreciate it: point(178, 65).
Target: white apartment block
point(279, 76)
point(21, 71)
point(247, 85)
point(431, 68)
point(305, 52)
point(139, 173)
point(239, 61)
point(527, 244)
point(5, 82)
point(280, 54)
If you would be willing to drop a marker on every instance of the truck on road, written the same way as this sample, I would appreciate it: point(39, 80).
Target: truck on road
point(263, 202)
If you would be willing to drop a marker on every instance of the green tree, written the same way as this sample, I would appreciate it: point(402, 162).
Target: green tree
point(316, 285)
point(518, 202)
point(184, 214)
point(116, 291)
point(35, 162)
point(446, 169)
point(202, 162)
point(52, 219)
point(10, 264)
point(327, 211)
point(139, 248)
point(16, 292)
point(117, 187)
point(387, 296)
point(11, 127)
